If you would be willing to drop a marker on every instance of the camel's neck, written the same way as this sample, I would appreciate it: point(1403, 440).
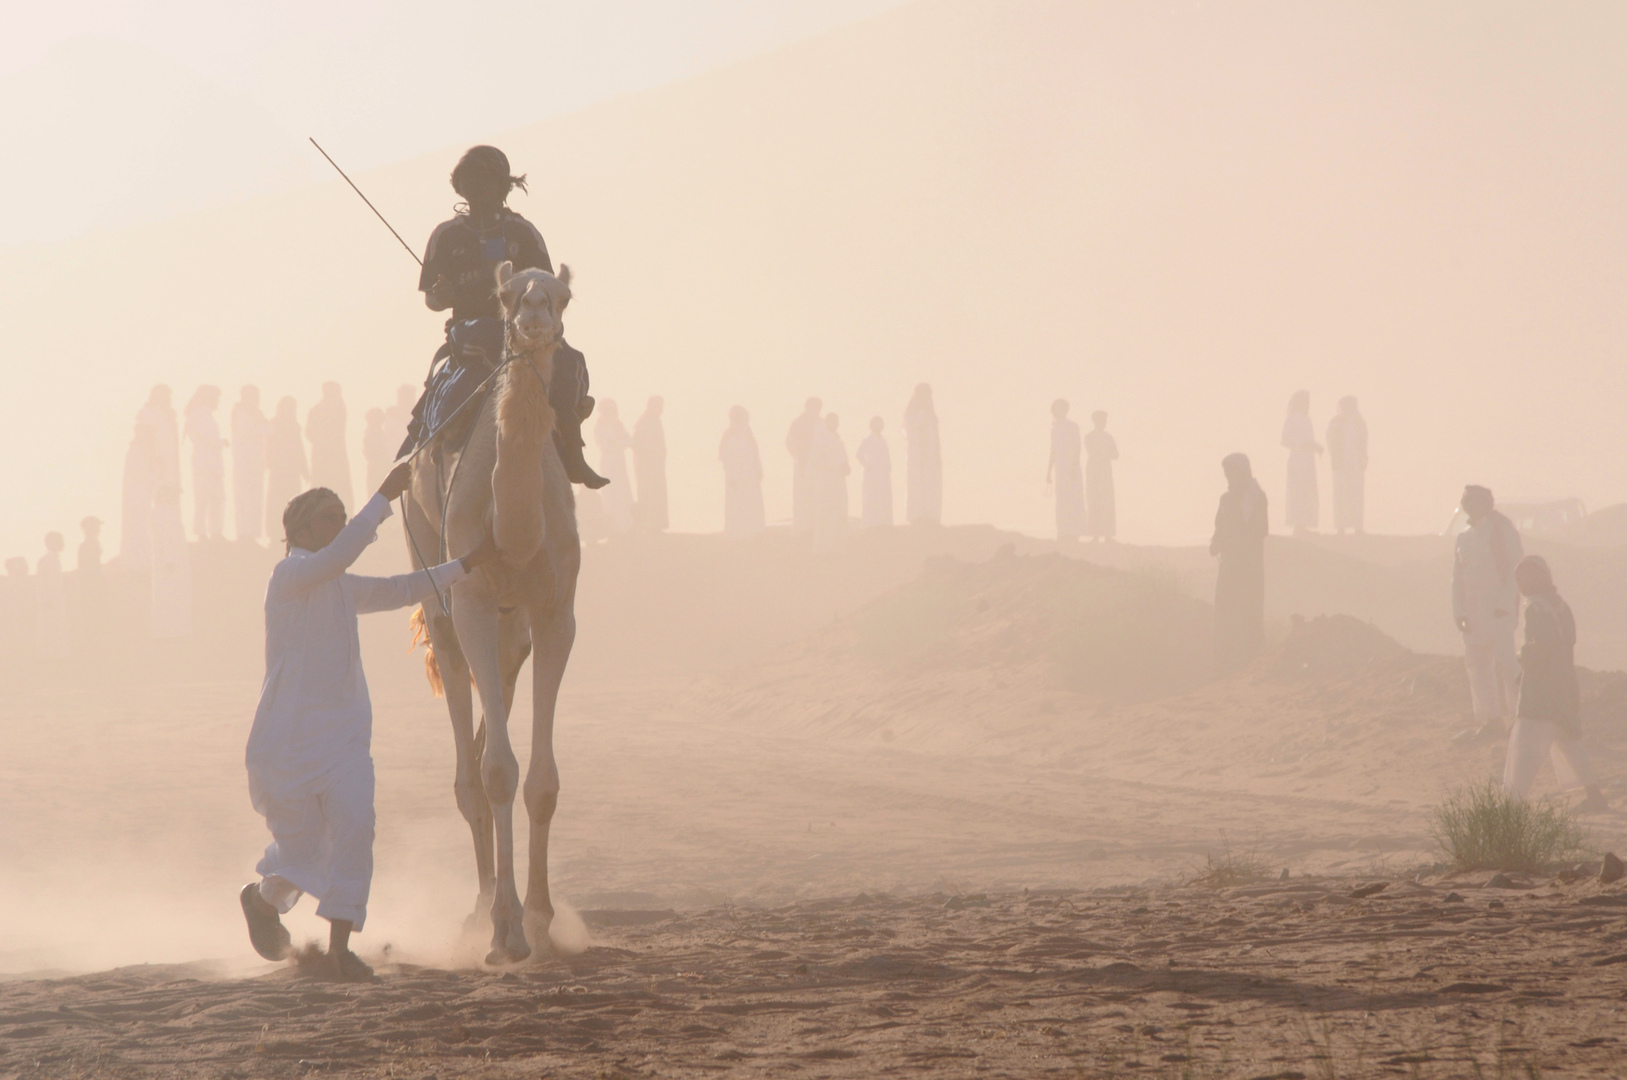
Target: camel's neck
point(525, 419)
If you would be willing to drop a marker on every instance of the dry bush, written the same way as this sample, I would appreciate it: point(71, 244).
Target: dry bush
point(1483, 827)
point(1232, 868)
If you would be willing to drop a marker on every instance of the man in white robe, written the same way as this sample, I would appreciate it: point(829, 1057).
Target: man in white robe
point(1486, 607)
point(742, 477)
point(877, 459)
point(1347, 454)
point(309, 755)
point(800, 442)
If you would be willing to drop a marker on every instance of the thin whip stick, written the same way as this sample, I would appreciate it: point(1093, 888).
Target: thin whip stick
point(366, 200)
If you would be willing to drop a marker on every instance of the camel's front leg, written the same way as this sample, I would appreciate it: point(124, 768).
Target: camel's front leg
point(467, 786)
point(552, 632)
point(475, 614)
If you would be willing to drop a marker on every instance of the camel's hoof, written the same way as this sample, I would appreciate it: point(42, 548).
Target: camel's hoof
point(508, 954)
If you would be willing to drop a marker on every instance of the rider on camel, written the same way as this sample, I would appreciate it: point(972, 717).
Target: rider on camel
point(459, 267)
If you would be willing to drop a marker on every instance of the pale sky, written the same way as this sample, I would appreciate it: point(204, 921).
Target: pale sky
point(374, 81)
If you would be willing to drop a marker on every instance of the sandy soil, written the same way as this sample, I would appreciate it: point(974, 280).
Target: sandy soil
point(959, 857)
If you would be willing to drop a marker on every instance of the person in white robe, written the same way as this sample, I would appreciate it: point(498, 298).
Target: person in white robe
point(1347, 454)
point(876, 458)
point(1486, 608)
point(1548, 720)
point(249, 430)
point(743, 515)
point(309, 755)
point(51, 602)
point(208, 464)
point(613, 441)
point(650, 463)
point(378, 452)
point(1066, 471)
point(1101, 450)
point(325, 431)
point(799, 443)
point(923, 494)
point(829, 469)
point(1303, 505)
point(172, 567)
point(143, 470)
point(286, 467)
point(159, 415)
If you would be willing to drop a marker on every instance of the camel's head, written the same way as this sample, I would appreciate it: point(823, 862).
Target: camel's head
point(533, 303)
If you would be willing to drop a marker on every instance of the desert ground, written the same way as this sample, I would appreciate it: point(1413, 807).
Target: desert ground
point(947, 801)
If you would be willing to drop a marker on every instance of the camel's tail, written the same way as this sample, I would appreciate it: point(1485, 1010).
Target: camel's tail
point(420, 636)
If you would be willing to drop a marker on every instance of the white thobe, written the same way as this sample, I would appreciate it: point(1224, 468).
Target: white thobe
point(1484, 593)
point(309, 755)
point(1303, 508)
point(877, 459)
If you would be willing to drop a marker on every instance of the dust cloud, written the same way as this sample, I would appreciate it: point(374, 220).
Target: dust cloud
point(812, 759)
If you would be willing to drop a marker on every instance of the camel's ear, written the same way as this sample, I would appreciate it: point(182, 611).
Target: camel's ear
point(505, 295)
point(564, 275)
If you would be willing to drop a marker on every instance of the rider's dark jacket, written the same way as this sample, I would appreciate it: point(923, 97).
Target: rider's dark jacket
point(468, 258)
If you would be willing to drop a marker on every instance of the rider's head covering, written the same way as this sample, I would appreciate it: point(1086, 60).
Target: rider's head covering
point(484, 167)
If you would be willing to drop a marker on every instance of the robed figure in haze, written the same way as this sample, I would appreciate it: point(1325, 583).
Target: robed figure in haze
point(1486, 608)
point(650, 467)
point(208, 464)
point(1347, 453)
point(172, 567)
point(1066, 471)
point(829, 467)
point(1241, 527)
point(799, 442)
point(742, 477)
point(398, 417)
point(51, 602)
point(1304, 507)
point(143, 471)
point(325, 431)
point(286, 468)
point(159, 415)
point(611, 436)
point(1100, 452)
point(923, 497)
point(378, 449)
point(249, 431)
point(1549, 716)
point(876, 458)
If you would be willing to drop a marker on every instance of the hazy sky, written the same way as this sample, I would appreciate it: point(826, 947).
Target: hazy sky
point(374, 77)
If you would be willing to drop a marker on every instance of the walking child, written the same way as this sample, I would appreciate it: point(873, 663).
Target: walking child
point(309, 754)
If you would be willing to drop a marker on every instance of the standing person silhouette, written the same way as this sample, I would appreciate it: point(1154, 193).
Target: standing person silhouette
point(1347, 453)
point(208, 464)
point(799, 442)
point(143, 472)
point(1304, 508)
point(742, 477)
point(876, 457)
point(1101, 450)
point(159, 415)
point(923, 496)
point(376, 448)
point(1549, 716)
point(325, 431)
point(286, 469)
point(1064, 469)
point(611, 436)
point(650, 466)
point(1241, 526)
point(1486, 608)
point(830, 469)
point(249, 430)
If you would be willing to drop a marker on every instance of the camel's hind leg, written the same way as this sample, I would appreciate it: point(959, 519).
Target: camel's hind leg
point(476, 617)
point(553, 632)
point(467, 786)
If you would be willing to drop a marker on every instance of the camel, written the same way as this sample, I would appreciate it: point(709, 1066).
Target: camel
point(506, 477)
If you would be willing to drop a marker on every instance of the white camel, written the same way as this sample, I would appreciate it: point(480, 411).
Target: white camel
point(506, 477)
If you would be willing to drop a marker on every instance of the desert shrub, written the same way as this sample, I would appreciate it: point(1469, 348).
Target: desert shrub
point(1232, 868)
point(1483, 827)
